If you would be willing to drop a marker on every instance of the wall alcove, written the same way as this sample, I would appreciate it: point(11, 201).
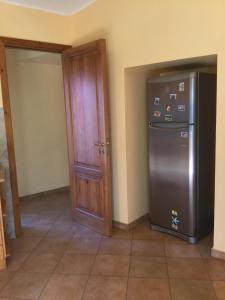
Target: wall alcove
point(137, 125)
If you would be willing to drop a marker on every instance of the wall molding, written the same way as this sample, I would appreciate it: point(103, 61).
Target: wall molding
point(218, 254)
point(131, 225)
point(46, 193)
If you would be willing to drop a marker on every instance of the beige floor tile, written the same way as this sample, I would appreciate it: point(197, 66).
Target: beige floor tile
point(144, 232)
point(111, 265)
point(216, 268)
point(146, 266)
point(24, 244)
point(219, 287)
point(148, 248)
point(181, 250)
point(52, 245)
point(29, 219)
point(64, 287)
point(122, 234)
point(187, 268)
point(205, 251)
point(192, 290)
point(75, 264)
point(31, 230)
point(172, 238)
point(115, 246)
point(83, 244)
point(65, 218)
point(25, 286)
point(15, 261)
point(207, 241)
point(81, 231)
point(46, 218)
point(5, 277)
point(41, 263)
point(148, 289)
point(61, 231)
point(105, 288)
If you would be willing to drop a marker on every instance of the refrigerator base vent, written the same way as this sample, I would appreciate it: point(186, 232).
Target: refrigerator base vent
point(189, 239)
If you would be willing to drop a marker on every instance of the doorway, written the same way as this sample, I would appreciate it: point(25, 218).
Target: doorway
point(88, 130)
point(11, 165)
point(39, 129)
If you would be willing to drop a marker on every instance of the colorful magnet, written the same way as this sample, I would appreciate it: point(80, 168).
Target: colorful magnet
point(174, 212)
point(181, 87)
point(174, 226)
point(157, 114)
point(168, 108)
point(173, 96)
point(168, 118)
point(157, 101)
point(181, 107)
point(184, 134)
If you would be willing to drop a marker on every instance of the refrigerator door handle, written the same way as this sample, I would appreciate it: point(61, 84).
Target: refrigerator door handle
point(169, 126)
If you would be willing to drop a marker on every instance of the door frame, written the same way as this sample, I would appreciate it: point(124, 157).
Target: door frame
point(7, 42)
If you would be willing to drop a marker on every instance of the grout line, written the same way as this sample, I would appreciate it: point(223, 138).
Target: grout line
point(130, 257)
point(91, 269)
point(50, 275)
point(54, 269)
point(167, 268)
point(88, 276)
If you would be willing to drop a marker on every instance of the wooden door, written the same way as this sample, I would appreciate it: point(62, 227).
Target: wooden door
point(87, 110)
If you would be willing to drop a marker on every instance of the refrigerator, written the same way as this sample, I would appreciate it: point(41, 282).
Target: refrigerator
point(182, 117)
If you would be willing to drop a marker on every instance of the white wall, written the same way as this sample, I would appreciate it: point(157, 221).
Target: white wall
point(39, 124)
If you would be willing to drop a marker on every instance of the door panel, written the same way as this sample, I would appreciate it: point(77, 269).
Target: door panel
point(87, 107)
point(89, 194)
point(171, 178)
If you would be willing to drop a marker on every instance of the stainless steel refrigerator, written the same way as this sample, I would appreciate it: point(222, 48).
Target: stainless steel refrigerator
point(182, 111)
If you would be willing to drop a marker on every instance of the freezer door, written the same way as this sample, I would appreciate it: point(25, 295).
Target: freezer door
point(173, 99)
point(172, 177)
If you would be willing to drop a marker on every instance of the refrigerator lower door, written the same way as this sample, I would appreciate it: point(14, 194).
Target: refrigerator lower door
point(172, 177)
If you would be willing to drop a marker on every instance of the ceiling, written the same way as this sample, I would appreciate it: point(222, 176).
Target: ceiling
point(62, 7)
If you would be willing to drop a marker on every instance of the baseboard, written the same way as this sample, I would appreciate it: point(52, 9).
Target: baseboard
point(217, 254)
point(131, 225)
point(46, 193)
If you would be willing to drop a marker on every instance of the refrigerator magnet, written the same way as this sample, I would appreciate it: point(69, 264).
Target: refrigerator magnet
point(157, 114)
point(173, 96)
point(184, 134)
point(156, 101)
point(168, 107)
point(181, 107)
point(168, 118)
point(181, 87)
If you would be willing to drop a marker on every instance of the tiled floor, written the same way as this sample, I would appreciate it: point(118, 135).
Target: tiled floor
point(57, 259)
